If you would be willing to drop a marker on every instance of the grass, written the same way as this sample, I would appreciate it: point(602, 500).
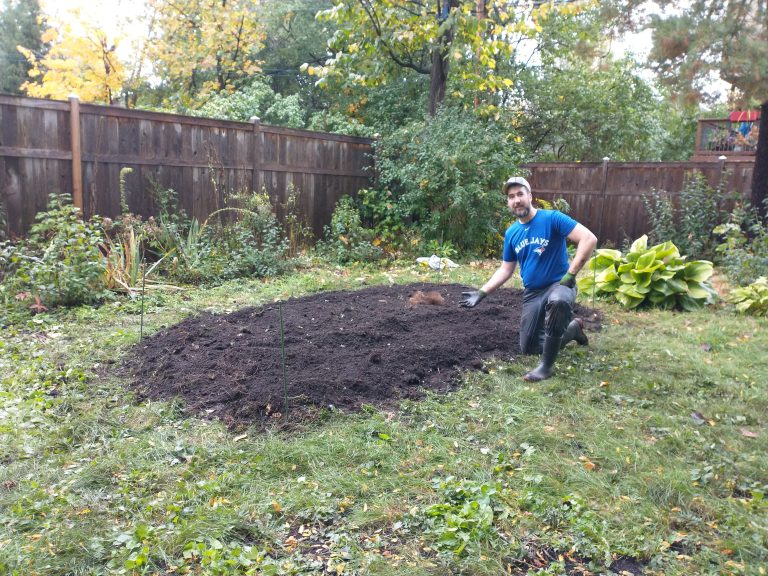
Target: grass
point(651, 444)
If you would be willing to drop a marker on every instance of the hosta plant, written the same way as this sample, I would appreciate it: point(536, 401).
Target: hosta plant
point(656, 276)
point(751, 299)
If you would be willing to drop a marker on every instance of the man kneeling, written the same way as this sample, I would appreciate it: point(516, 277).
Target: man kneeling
point(538, 242)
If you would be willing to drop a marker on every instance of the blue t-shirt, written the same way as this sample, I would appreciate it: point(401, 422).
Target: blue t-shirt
point(539, 247)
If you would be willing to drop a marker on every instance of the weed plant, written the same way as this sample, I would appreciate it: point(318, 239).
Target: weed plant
point(743, 253)
point(345, 239)
point(60, 262)
point(688, 224)
point(649, 444)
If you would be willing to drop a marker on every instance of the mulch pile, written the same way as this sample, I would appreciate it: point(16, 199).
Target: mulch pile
point(342, 349)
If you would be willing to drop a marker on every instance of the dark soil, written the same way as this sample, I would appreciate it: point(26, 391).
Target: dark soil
point(342, 349)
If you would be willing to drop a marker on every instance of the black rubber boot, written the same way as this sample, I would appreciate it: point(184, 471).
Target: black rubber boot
point(575, 331)
point(547, 363)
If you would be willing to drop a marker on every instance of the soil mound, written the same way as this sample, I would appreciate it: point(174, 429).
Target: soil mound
point(342, 349)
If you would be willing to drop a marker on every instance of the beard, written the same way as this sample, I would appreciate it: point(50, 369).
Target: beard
point(521, 211)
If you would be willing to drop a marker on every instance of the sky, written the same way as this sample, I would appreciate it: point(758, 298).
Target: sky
point(118, 18)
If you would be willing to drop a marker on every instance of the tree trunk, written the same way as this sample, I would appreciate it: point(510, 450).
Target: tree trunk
point(760, 171)
point(438, 78)
point(438, 75)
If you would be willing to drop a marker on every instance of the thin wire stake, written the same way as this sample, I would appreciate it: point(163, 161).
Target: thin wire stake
point(440, 261)
point(282, 353)
point(594, 278)
point(143, 284)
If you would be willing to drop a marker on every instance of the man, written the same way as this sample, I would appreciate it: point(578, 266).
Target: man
point(537, 242)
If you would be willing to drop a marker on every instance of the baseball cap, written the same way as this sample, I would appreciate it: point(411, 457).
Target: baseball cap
point(516, 180)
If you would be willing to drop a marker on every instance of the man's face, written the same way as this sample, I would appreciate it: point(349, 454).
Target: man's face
point(519, 200)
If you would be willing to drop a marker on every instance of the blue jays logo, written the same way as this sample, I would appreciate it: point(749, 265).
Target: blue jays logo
point(540, 250)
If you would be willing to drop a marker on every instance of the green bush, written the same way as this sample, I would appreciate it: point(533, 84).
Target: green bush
point(656, 276)
point(253, 245)
point(444, 176)
point(345, 239)
point(743, 253)
point(61, 262)
point(752, 299)
point(688, 225)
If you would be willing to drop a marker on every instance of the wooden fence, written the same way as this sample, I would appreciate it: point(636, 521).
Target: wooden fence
point(607, 197)
point(66, 147)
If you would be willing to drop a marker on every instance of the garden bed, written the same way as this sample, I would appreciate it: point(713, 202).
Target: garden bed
point(343, 350)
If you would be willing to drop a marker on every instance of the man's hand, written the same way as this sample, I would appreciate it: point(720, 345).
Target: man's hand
point(472, 299)
point(568, 280)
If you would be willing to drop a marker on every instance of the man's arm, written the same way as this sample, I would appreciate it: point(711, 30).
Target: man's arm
point(502, 274)
point(585, 242)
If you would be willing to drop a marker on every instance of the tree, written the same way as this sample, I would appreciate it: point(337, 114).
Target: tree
point(83, 61)
point(728, 38)
point(201, 47)
point(458, 44)
point(21, 24)
point(576, 112)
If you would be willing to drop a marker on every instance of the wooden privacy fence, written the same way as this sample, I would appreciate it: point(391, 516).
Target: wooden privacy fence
point(607, 197)
point(51, 146)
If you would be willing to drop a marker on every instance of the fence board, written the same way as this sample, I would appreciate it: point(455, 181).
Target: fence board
point(202, 159)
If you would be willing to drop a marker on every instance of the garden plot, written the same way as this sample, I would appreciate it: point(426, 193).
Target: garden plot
point(342, 350)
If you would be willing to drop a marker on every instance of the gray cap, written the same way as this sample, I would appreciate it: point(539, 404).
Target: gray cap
point(516, 180)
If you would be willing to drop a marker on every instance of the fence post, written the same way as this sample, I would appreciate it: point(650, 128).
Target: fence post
point(606, 159)
point(722, 160)
point(256, 153)
point(77, 152)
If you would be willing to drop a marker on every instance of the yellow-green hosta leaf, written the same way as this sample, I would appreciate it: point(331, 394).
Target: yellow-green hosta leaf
point(698, 270)
point(663, 287)
point(607, 275)
point(677, 285)
point(629, 301)
point(630, 290)
point(609, 286)
point(641, 277)
point(646, 260)
point(698, 291)
point(640, 245)
point(665, 251)
point(689, 304)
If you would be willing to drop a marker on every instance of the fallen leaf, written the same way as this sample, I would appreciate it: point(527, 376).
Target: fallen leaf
point(698, 418)
point(276, 506)
point(241, 437)
point(748, 433)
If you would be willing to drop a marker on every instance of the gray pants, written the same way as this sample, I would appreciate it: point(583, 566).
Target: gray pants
point(546, 312)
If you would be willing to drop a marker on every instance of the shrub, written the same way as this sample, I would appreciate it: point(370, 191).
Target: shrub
point(743, 253)
point(252, 245)
point(444, 176)
point(752, 299)
point(345, 239)
point(690, 225)
point(61, 262)
point(656, 276)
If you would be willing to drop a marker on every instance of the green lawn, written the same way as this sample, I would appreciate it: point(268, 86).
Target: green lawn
point(651, 445)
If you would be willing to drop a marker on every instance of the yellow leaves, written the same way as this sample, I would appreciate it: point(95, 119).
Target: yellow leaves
point(587, 463)
point(217, 501)
point(82, 61)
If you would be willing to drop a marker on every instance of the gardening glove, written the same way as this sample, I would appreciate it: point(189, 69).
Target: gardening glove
point(568, 280)
point(472, 299)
